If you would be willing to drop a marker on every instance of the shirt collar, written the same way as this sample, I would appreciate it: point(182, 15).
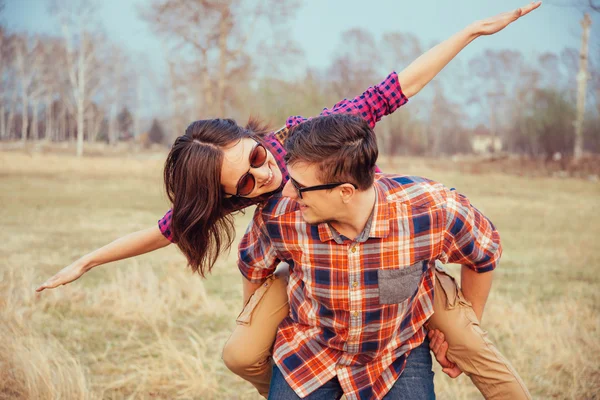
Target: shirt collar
point(377, 226)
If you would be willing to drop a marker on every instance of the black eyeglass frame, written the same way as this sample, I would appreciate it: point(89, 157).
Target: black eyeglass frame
point(301, 189)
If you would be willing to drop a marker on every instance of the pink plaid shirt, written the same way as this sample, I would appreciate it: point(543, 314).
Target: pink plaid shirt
point(372, 105)
point(357, 307)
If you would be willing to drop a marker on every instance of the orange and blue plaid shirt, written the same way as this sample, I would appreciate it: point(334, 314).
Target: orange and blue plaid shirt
point(357, 307)
point(376, 102)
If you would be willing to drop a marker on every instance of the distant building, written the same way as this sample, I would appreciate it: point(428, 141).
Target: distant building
point(483, 142)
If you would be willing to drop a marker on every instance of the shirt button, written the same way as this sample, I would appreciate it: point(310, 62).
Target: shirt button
point(355, 314)
point(355, 284)
point(353, 249)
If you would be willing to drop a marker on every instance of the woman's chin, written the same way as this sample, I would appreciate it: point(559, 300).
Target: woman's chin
point(277, 179)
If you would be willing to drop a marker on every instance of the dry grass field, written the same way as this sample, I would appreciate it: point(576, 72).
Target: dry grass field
point(146, 328)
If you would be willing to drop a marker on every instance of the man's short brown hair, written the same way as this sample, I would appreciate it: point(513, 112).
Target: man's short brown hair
point(342, 145)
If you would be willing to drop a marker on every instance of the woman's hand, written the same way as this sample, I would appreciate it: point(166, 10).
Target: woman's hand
point(132, 245)
point(439, 346)
point(66, 275)
point(494, 24)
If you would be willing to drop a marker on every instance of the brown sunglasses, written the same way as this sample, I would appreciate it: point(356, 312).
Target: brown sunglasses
point(246, 184)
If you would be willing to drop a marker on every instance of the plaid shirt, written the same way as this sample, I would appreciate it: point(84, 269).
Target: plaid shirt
point(357, 307)
point(372, 105)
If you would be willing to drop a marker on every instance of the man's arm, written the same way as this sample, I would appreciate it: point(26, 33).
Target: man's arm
point(470, 239)
point(421, 71)
point(476, 288)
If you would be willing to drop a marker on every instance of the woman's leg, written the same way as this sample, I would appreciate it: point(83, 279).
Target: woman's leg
point(247, 353)
point(469, 346)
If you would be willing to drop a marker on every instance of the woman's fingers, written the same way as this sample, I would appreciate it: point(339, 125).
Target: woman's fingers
point(49, 284)
point(529, 8)
point(62, 277)
point(496, 23)
point(519, 12)
point(439, 346)
point(438, 343)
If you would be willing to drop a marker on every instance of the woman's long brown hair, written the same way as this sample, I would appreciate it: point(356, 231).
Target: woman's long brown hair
point(202, 223)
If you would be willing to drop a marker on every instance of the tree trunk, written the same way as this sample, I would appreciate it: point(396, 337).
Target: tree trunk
point(9, 122)
point(208, 96)
point(80, 98)
point(138, 106)
point(80, 123)
point(223, 59)
point(62, 133)
point(582, 77)
point(34, 121)
point(89, 124)
point(112, 122)
point(48, 134)
point(25, 123)
point(2, 122)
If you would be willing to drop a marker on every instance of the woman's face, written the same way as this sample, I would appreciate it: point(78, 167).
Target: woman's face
point(236, 163)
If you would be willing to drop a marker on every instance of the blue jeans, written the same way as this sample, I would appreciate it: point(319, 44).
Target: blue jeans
point(415, 382)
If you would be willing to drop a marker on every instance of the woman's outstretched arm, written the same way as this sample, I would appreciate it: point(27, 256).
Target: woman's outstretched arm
point(132, 245)
point(421, 71)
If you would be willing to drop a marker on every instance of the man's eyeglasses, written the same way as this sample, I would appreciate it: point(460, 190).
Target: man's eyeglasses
point(301, 189)
point(246, 184)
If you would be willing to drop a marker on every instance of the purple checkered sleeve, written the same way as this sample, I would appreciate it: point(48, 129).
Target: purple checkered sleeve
point(376, 102)
point(164, 225)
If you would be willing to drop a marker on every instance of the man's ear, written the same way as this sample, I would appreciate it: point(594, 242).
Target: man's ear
point(347, 191)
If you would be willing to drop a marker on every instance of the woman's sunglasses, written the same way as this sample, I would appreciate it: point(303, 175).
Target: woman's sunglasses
point(246, 184)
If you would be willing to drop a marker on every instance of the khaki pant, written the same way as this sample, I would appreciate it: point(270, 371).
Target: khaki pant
point(247, 353)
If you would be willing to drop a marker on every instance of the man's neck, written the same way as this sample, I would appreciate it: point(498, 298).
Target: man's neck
point(355, 217)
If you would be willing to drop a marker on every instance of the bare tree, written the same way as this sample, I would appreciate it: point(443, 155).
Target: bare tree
point(401, 132)
point(5, 66)
point(355, 64)
point(217, 35)
point(76, 19)
point(119, 83)
point(582, 78)
point(28, 60)
point(52, 75)
point(496, 79)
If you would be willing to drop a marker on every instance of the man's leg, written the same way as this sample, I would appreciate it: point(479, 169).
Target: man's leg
point(469, 346)
point(280, 390)
point(247, 353)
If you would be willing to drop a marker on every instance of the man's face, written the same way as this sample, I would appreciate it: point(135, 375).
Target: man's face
point(317, 206)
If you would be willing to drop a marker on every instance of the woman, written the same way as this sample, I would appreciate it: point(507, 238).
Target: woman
point(218, 168)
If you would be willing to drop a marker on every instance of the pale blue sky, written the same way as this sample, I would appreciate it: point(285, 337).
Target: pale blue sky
point(317, 24)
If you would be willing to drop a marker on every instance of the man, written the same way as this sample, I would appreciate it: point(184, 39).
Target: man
point(362, 249)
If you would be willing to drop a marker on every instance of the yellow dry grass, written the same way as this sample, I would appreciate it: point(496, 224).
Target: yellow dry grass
point(147, 329)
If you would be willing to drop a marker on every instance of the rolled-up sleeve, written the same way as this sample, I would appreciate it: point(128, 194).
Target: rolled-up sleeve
point(257, 258)
point(164, 224)
point(470, 238)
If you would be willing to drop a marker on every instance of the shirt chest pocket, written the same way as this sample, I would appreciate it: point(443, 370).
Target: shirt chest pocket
point(398, 285)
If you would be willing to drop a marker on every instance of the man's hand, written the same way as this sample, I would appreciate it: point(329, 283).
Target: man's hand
point(494, 24)
point(439, 346)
